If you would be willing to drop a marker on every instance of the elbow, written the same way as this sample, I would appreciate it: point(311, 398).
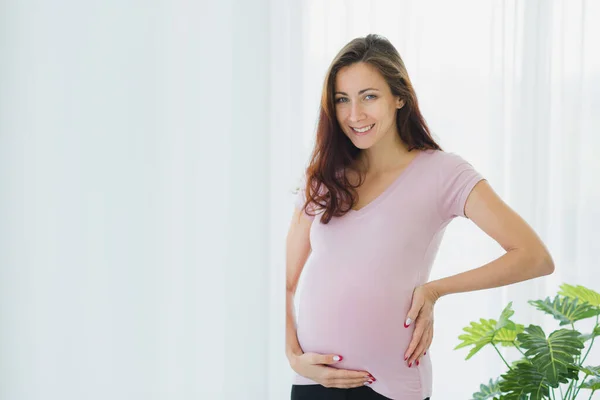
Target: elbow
point(290, 288)
point(544, 263)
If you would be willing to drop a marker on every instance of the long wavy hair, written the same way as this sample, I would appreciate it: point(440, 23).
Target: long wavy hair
point(326, 188)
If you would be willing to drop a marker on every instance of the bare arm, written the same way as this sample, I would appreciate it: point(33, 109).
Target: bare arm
point(526, 256)
point(297, 252)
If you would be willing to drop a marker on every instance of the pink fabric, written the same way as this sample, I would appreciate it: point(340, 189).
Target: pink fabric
point(358, 281)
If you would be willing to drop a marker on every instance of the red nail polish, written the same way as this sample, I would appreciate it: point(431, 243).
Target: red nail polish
point(424, 353)
point(409, 365)
point(406, 326)
point(417, 362)
point(405, 358)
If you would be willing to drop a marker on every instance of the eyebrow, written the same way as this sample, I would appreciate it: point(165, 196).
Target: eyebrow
point(361, 92)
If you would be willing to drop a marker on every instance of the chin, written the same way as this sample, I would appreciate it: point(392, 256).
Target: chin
point(362, 146)
point(362, 143)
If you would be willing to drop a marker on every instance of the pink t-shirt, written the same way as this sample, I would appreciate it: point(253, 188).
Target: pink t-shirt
point(358, 281)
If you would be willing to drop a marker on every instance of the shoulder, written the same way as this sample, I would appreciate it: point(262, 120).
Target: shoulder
point(454, 178)
point(450, 169)
point(443, 158)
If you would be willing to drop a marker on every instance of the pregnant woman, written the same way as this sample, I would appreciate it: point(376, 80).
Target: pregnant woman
point(371, 213)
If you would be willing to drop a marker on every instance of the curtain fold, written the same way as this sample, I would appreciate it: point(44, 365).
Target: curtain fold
point(512, 87)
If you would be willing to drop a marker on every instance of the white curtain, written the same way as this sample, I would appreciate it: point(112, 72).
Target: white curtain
point(134, 155)
point(513, 87)
point(148, 151)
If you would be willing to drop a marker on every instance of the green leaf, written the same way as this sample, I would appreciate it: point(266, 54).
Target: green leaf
point(489, 331)
point(526, 380)
point(507, 337)
point(572, 373)
point(479, 334)
point(593, 384)
point(565, 309)
point(514, 396)
point(589, 370)
point(522, 380)
point(489, 391)
point(589, 336)
point(581, 292)
point(483, 333)
point(553, 357)
point(504, 320)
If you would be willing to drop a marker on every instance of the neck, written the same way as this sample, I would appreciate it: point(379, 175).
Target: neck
point(385, 156)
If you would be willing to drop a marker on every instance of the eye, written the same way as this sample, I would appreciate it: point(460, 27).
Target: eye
point(339, 99)
point(372, 95)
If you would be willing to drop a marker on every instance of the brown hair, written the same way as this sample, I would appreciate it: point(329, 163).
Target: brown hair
point(333, 150)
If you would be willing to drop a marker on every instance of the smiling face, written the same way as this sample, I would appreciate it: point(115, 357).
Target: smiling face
point(365, 106)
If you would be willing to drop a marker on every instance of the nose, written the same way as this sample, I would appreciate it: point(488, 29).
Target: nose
point(356, 112)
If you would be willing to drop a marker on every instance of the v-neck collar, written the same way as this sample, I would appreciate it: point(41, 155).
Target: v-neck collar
point(388, 189)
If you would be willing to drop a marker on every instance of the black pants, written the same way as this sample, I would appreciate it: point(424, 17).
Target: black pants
point(320, 392)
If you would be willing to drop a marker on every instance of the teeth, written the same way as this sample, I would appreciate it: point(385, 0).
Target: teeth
point(366, 128)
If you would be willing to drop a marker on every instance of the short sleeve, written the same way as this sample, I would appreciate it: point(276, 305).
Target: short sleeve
point(301, 198)
point(457, 178)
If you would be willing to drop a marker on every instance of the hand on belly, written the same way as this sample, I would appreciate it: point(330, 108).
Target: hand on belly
point(355, 326)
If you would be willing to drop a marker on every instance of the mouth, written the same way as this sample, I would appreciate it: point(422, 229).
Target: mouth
point(364, 130)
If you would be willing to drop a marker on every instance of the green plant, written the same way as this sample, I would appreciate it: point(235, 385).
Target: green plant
point(548, 363)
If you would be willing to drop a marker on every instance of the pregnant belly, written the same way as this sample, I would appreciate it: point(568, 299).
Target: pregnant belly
point(363, 321)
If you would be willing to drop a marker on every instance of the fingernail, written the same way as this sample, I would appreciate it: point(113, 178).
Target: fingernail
point(424, 353)
point(405, 358)
point(409, 364)
point(407, 323)
point(337, 358)
point(417, 362)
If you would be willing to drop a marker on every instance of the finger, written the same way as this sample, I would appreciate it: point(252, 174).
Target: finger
point(326, 358)
point(352, 382)
point(347, 378)
point(416, 338)
point(350, 385)
point(353, 378)
point(413, 313)
point(415, 308)
point(349, 374)
point(421, 347)
point(368, 383)
point(429, 340)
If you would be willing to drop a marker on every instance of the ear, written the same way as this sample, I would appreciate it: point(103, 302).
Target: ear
point(399, 103)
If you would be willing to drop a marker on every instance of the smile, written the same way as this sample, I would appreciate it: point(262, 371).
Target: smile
point(363, 130)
